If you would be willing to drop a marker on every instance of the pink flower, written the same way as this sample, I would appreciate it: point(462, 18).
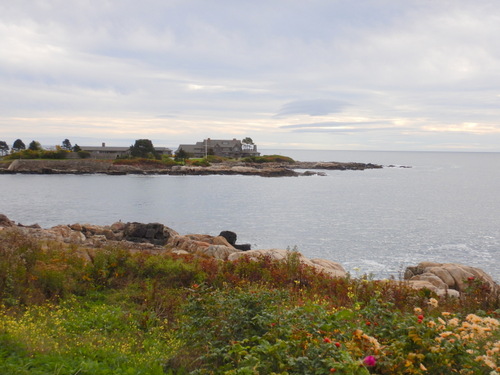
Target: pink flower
point(370, 361)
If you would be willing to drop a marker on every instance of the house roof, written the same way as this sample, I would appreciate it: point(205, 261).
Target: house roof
point(115, 149)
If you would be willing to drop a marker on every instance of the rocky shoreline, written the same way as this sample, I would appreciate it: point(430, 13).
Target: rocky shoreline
point(91, 166)
point(444, 279)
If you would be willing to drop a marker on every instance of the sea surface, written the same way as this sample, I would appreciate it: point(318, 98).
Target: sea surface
point(445, 208)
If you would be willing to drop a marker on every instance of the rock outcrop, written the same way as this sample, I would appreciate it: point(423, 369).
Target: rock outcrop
point(447, 278)
point(232, 237)
point(442, 278)
point(92, 166)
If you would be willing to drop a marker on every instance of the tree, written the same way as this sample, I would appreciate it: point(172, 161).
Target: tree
point(4, 148)
point(76, 148)
point(181, 155)
point(143, 148)
point(247, 143)
point(34, 146)
point(66, 145)
point(18, 145)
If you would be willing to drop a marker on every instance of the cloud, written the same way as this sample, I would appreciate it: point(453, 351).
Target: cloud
point(193, 67)
point(312, 107)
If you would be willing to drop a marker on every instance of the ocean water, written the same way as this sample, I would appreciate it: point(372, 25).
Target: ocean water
point(445, 208)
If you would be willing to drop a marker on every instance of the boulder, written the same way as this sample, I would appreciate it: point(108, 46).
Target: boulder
point(231, 237)
point(220, 251)
point(63, 233)
point(217, 247)
point(450, 278)
point(154, 233)
point(332, 268)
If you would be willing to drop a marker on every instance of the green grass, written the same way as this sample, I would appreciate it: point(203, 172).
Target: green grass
point(141, 313)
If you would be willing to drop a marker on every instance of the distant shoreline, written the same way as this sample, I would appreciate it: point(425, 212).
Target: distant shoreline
point(108, 167)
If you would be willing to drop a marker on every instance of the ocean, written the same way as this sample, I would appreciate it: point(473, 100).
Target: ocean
point(422, 206)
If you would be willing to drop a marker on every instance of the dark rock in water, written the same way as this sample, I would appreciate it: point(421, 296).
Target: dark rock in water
point(243, 247)
point(153, 233)
point(231, 237)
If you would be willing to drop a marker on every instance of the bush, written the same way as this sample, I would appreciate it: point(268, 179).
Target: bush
point(198, 162)
point(38, 154)
point(140, 312)
point(83, 154)
point(268, 159)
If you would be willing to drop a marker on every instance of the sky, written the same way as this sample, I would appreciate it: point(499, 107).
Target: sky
point(412, 75)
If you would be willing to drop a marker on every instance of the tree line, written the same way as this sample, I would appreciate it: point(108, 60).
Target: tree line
point(19, 146)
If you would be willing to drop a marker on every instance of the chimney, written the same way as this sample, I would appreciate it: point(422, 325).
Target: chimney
point(103, 144)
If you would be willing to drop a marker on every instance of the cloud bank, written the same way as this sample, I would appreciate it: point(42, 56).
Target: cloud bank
point(412, 75)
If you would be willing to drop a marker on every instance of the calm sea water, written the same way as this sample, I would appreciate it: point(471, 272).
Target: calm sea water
point(446, 208)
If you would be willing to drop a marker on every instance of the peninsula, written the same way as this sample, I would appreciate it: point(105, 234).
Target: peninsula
point(153, 167)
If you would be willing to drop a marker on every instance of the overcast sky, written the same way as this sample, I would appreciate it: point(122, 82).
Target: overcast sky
point(311, 74)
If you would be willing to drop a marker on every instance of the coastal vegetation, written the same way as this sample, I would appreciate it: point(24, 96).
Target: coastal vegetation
point(66, 309)
point(269, 159)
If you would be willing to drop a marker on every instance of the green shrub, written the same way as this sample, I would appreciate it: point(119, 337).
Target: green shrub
point(171, 272)
point(83, 154)
point(268, 159)
point(198, 162)
point(217, 159)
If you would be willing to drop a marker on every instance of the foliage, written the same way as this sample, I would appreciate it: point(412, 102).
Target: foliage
point(143, 148)
point(165, 161)
point(247, 141)
point(217, 159)
point(35, 146)
point(67, 310)
point(76, 148)
point(38, 154)
point(83, 337)
point(83, 154)
point(4, 148)
point(66, 145)
point(181, 155)
point(268, 159)
point(203, 162)
point(18, 145)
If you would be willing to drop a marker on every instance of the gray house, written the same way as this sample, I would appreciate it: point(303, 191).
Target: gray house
point(220, 147)
point(106, 152)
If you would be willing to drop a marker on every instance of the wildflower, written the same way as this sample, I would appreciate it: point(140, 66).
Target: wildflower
point(417, 310)
point(326, 339)
point(332, 370)
point(370, 361)
point(420, 318)
point(337, 344)
point(433, 302)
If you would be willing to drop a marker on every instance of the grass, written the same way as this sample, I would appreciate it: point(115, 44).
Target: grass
point(142, 313)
